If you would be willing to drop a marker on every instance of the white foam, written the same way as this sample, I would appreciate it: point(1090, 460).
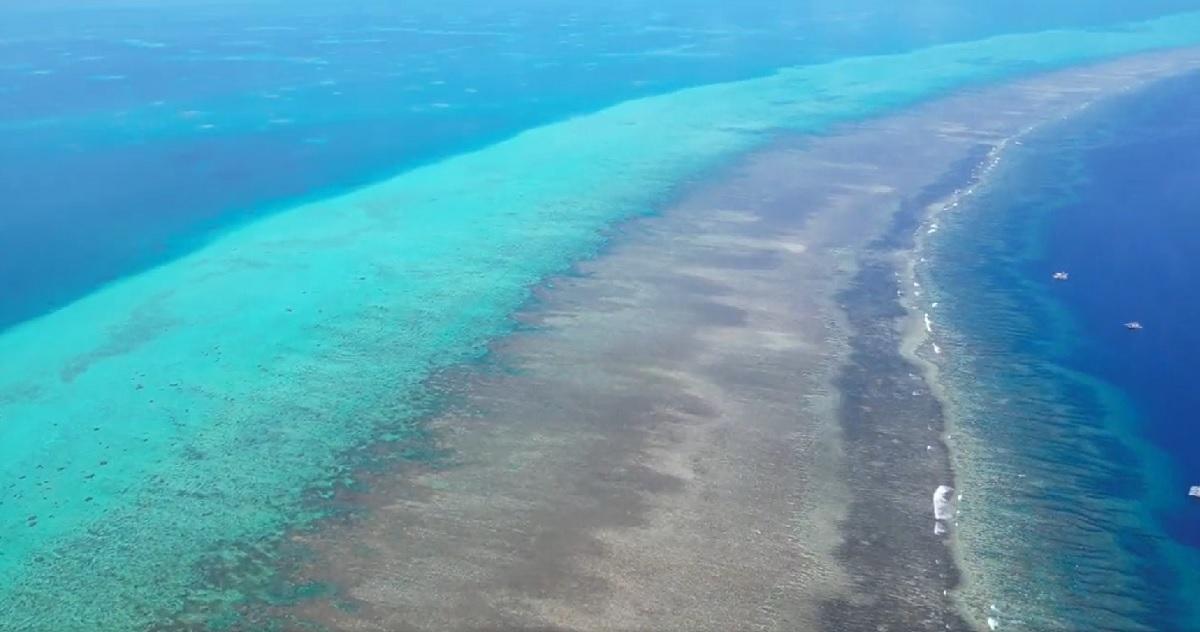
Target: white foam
point(943, 505)
point(140, 43)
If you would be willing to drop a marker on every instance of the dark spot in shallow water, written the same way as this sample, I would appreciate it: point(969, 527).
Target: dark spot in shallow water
point(724, 315)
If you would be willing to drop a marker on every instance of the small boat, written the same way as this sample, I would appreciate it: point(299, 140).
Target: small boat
point(1133, 325)
point(1194, 492)
point(1060, 276)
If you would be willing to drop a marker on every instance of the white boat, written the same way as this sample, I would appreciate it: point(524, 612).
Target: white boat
point(1194, 492)
point(1060, 276)
point(1133, 325)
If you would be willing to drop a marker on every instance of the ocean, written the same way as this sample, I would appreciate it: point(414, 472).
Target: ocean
point(178, 123)
point(1134, 208)
point(238, 240)
point(1077, 449)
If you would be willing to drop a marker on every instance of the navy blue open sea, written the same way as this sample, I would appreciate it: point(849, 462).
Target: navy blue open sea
point(1131, 241)
point(1089, 428)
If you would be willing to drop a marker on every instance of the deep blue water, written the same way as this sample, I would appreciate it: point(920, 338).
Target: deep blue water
point(1082, 433)
point(1130, 238)
point(131, 131)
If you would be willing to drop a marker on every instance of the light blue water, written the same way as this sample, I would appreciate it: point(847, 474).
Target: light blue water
point(208, 353)
point(176, 121)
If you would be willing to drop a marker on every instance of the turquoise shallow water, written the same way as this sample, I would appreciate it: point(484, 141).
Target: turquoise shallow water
point(162, 431)
point(178, 122)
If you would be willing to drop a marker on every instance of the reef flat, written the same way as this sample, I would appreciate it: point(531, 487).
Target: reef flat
point(720, 422)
